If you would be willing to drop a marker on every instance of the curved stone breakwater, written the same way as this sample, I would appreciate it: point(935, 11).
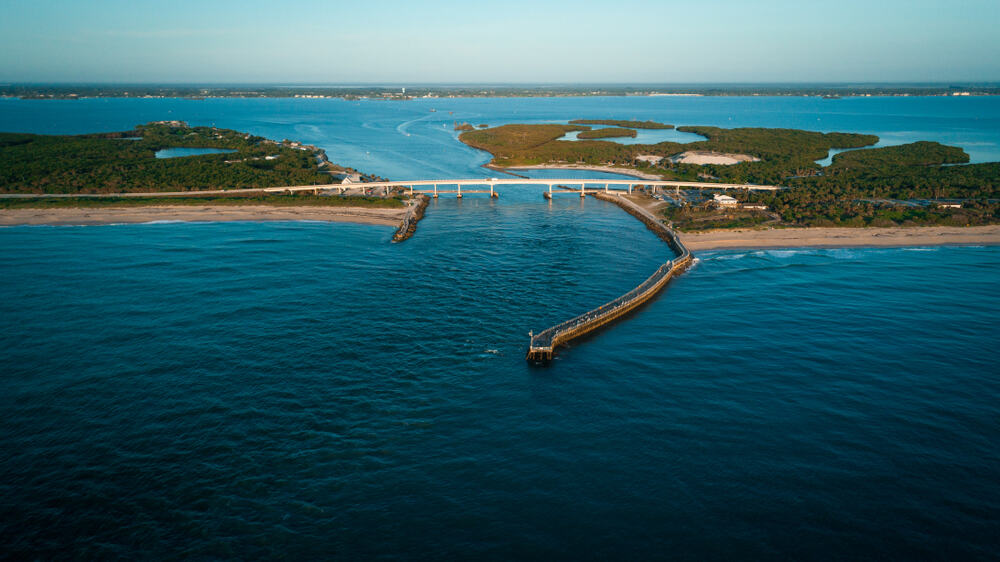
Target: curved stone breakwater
point(413, 216)
point(542, 345)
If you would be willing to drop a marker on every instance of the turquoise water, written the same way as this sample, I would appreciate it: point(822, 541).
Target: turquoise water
point(181, 152)
point(300, 389)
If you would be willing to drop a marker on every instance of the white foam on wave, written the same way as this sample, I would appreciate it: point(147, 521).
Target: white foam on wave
point(709, 256)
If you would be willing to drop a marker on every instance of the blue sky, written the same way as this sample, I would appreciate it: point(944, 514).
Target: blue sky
point(501, 41)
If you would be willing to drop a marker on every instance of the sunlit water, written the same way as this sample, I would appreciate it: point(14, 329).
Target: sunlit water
point(305, 389)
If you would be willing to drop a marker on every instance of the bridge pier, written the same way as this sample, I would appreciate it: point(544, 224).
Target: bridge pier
point(583, 190)
point(435, 191)
point(459, 191)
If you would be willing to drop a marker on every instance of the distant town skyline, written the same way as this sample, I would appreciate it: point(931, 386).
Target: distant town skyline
point(639, 41)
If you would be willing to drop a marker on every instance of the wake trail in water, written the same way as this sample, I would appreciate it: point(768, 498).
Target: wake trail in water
point(404, 127)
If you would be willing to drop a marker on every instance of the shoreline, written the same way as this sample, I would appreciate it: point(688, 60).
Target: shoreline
point(829, 237)
point(82, 216)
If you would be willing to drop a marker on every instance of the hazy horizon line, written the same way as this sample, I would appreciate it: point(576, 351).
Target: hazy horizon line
point(940, 83)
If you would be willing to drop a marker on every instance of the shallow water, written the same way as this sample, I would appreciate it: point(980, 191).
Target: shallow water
point(311, 390)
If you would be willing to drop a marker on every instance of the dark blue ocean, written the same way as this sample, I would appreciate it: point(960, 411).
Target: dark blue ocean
point(311, 391)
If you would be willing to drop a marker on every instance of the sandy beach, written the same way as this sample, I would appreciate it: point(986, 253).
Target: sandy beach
point(112, 215)
point(841, 237)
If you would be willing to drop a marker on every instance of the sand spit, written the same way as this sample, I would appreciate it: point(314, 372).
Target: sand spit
point(207, 213)
point(842, 237)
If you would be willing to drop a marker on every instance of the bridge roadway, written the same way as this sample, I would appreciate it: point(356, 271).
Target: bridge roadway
point(421, 186)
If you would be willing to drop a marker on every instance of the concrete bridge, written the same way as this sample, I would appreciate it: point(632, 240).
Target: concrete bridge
point(434, 188)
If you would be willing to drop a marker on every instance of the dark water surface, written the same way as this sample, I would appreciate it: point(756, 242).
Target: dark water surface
point(297, 389)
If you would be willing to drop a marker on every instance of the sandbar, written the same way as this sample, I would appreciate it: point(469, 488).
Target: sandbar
point(701, 157)
point(208, 213)
point(822, 237)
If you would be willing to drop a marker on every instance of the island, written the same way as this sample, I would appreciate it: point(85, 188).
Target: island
point(916, 184)
point(137, 176)
point(622, 123)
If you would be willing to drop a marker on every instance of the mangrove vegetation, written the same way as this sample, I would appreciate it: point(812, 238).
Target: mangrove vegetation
point(126, 162)
point(910, 184)
point(621, 123)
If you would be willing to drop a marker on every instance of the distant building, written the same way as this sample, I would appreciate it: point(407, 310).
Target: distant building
point(950, 205)
point(346, 178)
point(755, 206)
point(170, 123)
point(725, 200)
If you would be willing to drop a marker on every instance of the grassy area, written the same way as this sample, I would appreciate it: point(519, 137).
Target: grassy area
point(194, 200)
point(688, 219)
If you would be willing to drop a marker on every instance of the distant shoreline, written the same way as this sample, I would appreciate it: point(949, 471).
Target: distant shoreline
point(29, 91)
point(823, 237)
point(82, 216)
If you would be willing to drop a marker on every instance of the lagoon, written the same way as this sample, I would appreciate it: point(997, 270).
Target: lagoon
point(644, 136)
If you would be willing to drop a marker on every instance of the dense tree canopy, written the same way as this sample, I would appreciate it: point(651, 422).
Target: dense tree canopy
point(125, 162)
point(863, 187)
point(621, 123)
